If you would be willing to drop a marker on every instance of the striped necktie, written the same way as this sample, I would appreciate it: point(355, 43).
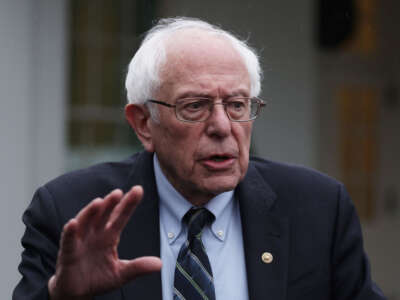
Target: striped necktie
point(193, 275)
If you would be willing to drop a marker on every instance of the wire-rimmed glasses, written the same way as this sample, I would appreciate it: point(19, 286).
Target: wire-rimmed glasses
point(238, 109)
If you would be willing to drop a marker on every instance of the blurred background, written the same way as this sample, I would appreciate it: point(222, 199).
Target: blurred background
point(331, 79)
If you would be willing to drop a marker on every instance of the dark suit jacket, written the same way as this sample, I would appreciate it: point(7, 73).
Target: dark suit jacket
point(305, 219)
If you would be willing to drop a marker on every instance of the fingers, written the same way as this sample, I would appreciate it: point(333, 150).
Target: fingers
point(109, 214)
point(130, 269)
point(69, 237)
point(109, 203)
point(123, 211)
point(96, 214)
point(87, 216)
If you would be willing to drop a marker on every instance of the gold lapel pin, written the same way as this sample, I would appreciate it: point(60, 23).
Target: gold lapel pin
point(267, 258)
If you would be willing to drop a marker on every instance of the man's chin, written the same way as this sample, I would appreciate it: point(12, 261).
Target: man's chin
point(211, 186)
point(216, 186)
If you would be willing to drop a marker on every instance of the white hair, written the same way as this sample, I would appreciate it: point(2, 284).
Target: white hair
point(144, 70)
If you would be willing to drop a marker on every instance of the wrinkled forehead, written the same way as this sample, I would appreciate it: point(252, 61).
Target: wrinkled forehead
point(198, 49)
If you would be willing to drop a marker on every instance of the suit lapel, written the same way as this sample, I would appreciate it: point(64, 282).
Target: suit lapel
point(141, 236)
point(263, 231)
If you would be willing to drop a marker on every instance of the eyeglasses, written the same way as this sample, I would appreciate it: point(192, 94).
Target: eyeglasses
point(238, 109)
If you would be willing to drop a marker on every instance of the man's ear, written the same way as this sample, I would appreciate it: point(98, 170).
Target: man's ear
point(139, 118)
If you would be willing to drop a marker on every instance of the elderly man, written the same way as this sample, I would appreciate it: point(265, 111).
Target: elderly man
point(225, 226)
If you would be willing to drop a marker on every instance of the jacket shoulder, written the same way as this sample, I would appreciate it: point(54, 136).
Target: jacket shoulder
point(284, 175)
point(300, 190)
point(73, 190)
point(102, 173)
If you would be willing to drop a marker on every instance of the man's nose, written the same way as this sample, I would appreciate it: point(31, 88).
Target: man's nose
point(218, 124)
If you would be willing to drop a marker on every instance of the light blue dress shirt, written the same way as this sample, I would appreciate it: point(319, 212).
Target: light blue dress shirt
point(223, 240)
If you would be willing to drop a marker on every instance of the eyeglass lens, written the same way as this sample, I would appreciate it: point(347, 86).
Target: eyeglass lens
point(238, 109)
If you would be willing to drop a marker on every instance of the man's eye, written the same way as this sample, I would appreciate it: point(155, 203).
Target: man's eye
point(194, 106)
point(237, 105)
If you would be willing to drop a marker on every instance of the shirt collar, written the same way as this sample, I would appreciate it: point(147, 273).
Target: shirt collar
point(173, 206)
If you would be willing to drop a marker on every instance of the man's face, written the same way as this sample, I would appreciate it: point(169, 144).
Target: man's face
point(203, 159)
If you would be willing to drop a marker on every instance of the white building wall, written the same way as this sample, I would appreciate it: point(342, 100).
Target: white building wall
point(32, 60)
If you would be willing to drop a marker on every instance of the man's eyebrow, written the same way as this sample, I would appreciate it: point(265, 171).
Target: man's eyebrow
point(194, 95)
point(191, 94)
point(239, 93)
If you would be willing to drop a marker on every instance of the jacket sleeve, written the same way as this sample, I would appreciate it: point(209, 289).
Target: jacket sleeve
point(351, 269)
point(40, 242)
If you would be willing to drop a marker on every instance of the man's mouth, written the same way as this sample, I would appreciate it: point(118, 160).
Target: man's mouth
point(218, 162)
point(219, 158)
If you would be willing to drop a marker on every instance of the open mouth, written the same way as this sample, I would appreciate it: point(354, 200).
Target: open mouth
point(219, 162)
point(219, 158)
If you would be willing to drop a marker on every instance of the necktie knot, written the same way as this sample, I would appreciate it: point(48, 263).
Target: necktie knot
point(197, 219)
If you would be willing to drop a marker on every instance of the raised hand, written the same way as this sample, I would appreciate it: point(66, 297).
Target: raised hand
point(88, 262)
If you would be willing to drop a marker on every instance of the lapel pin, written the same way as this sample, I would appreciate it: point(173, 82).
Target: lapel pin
point(267, 258)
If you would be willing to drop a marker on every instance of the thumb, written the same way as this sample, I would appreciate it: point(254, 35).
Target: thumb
point(130, 269)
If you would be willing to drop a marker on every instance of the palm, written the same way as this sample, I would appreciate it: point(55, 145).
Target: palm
point(88, 262)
